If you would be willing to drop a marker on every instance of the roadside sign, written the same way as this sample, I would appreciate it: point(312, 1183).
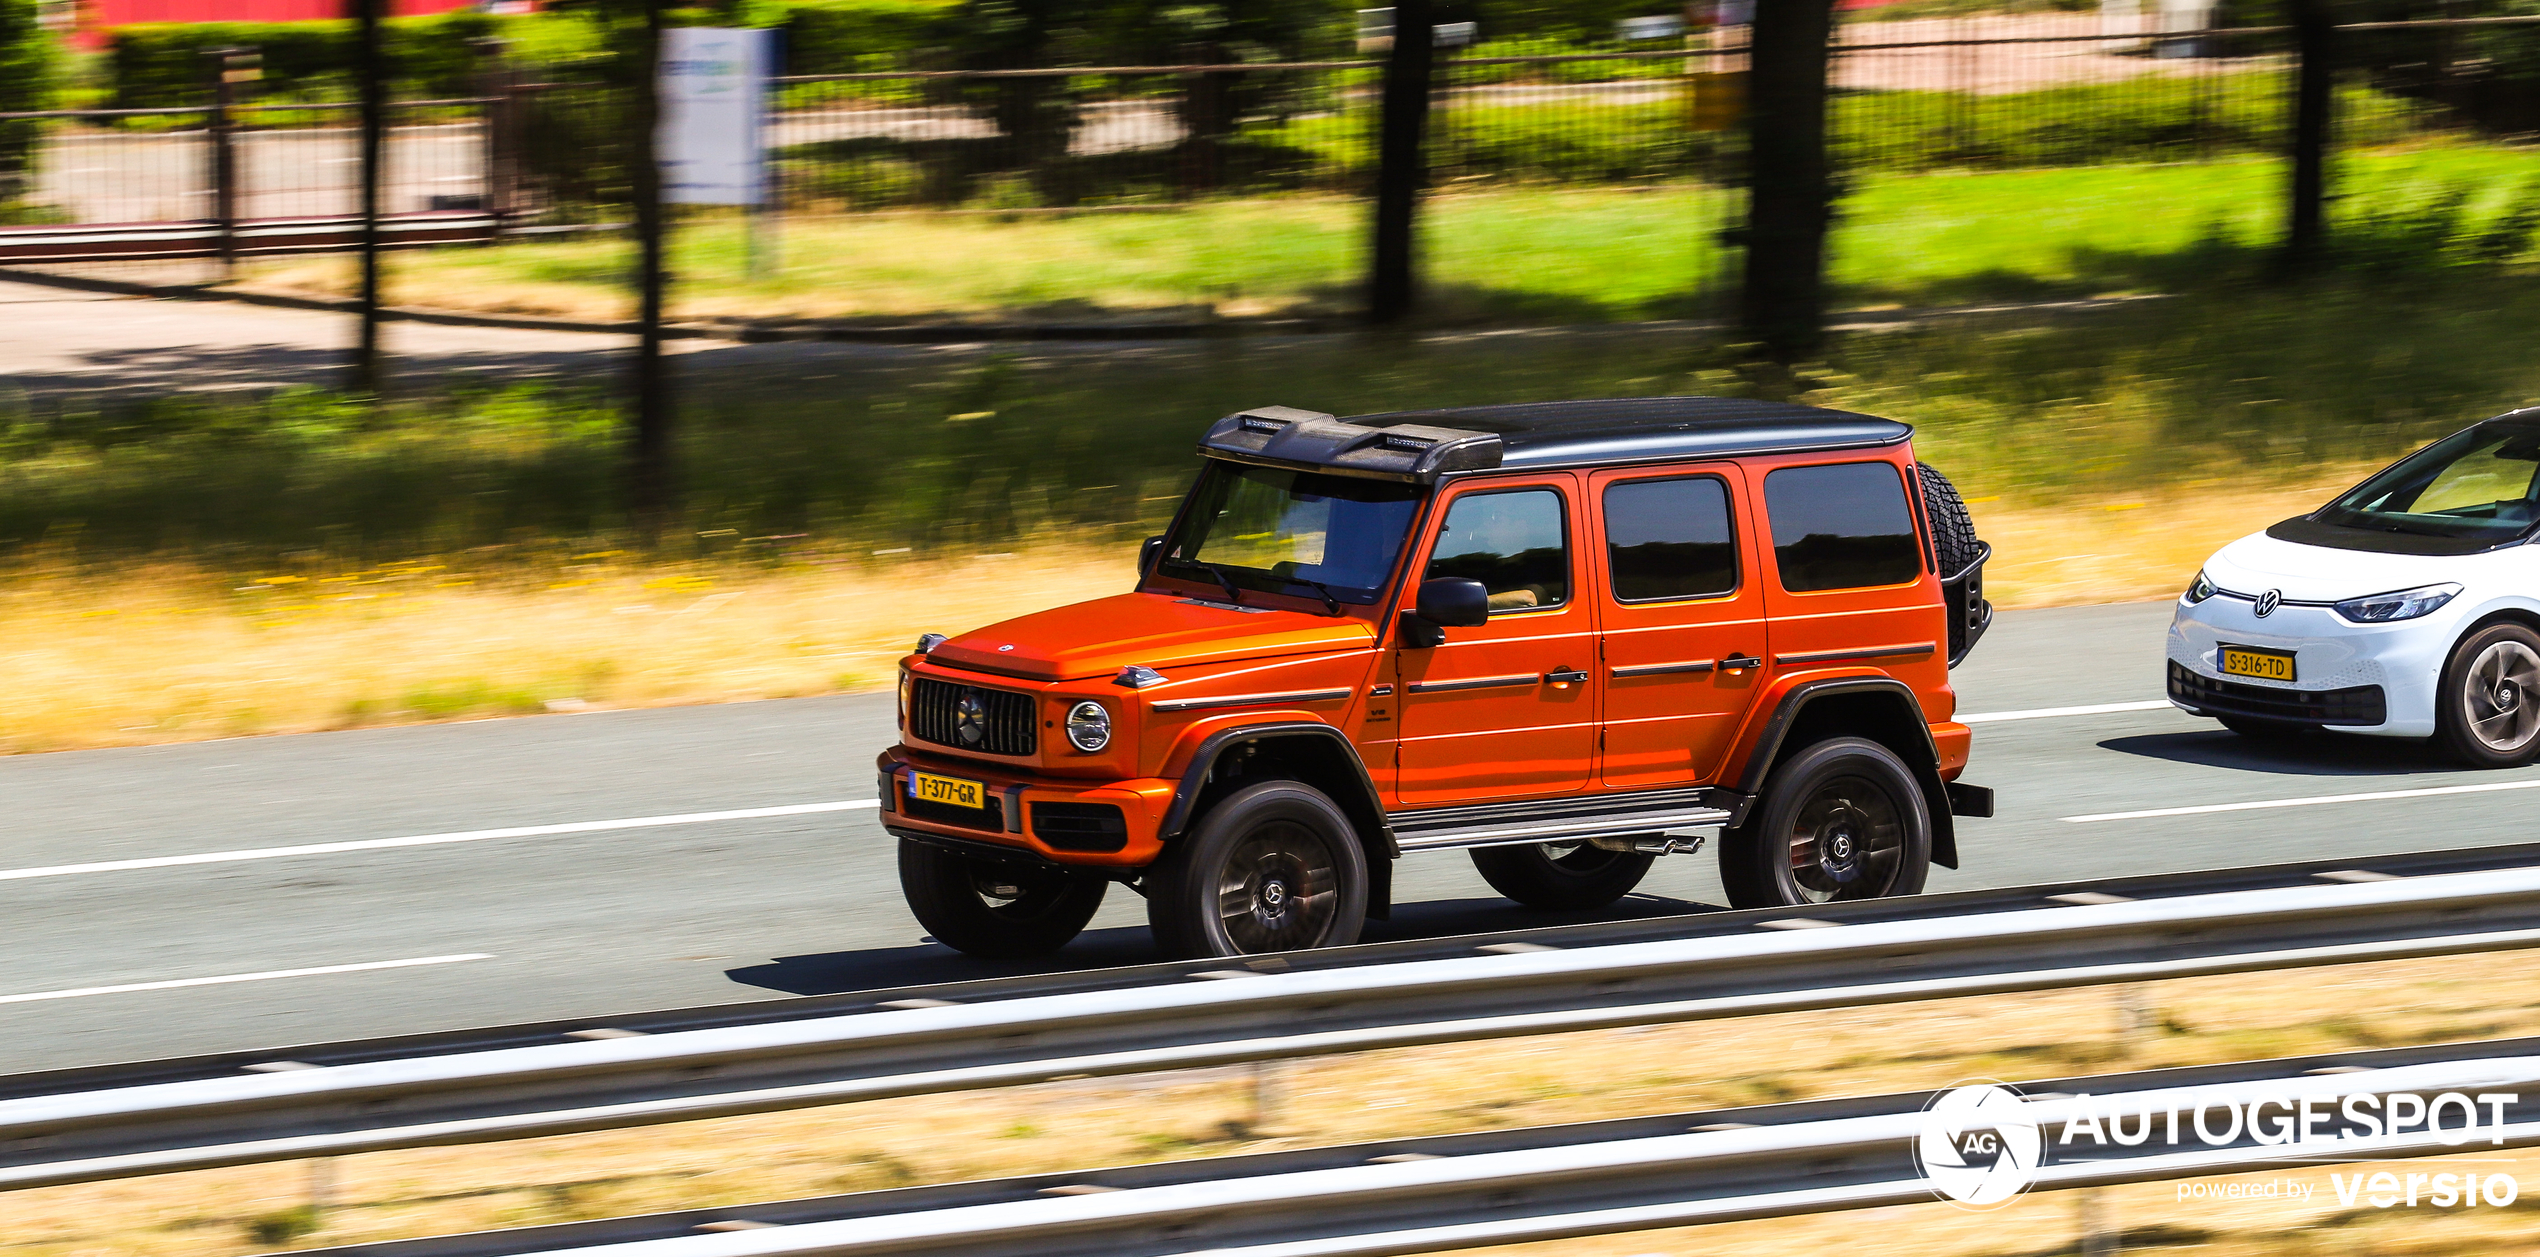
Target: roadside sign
point(713, 94)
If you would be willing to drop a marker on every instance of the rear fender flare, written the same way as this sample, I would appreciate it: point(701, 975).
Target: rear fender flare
point(1919, 751)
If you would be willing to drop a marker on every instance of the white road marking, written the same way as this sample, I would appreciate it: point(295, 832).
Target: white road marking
point(2041, 713)
point(2313, 801)
point(241, 977)
point(432, 840)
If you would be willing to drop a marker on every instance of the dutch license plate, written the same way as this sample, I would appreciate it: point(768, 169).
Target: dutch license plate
point(2249, 661)
point(948, 790)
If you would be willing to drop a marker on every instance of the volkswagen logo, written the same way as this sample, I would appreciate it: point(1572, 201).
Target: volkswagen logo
point(2269, 601)
point(970, 718)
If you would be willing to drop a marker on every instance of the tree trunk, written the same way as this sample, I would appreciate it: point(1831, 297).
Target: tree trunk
point(1402, 164)
point(2305, 227)
point(1790, 197)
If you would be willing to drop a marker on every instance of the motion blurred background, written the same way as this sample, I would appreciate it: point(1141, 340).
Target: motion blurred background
point(2063, 238)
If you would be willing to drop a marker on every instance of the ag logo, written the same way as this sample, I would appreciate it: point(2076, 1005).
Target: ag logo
point(1979, 1146)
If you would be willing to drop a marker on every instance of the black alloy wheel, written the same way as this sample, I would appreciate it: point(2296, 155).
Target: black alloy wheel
point(999, 909)
point(1272, 867)
point(1841, 820)
point(2488, 710)
point(1561, 875)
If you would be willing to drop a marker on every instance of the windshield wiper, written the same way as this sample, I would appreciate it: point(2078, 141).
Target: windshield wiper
point(1224, 581)
point(1330, 603)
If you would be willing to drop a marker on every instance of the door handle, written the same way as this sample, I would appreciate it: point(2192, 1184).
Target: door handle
point(1565, 675)
point(1740, 662)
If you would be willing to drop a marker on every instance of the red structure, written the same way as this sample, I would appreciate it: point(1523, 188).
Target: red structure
point(98, 16)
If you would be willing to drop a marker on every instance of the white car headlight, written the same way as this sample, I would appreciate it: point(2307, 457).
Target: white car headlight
point(2406, 604)
point(1088, 727)
point(2199, 589)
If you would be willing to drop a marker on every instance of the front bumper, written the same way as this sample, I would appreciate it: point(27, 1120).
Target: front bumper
point(1061, 821)
point(2374, 679)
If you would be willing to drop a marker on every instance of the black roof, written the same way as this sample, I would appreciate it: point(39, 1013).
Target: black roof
point(1421, 445)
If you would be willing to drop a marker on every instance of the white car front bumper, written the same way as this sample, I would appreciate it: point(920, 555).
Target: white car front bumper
point(2376, 679)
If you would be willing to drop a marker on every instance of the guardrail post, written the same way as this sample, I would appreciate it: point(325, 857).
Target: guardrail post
point(2100, 1237)
point(1269, 1095)
point(1204, 117)
point(322, 1190)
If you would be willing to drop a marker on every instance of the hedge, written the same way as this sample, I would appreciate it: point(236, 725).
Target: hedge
point(163, 64)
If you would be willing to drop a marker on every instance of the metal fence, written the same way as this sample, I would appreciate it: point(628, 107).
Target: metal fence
point(1996, 92)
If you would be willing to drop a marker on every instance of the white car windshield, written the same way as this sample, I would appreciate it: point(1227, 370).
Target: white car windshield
point(2483, 483)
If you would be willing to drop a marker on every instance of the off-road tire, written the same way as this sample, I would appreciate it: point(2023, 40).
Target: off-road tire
point(1560, 875)
point(2487, 710)
point(1953, 531)
point(1848, 790)
point(1272, 867)
point(994, 908)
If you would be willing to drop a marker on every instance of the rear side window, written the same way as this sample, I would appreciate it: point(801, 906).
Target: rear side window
point(1514, 543)
point(1667, 539)
point(1847, 526)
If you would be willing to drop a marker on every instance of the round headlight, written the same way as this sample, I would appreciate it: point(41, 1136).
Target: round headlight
point(1088, 727)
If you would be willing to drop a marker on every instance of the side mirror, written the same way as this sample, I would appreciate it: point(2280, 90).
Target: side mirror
point(1149, 551)
point(1445, 603)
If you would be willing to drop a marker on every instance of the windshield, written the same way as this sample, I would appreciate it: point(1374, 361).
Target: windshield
point(2480, 484)
point(1287, 531)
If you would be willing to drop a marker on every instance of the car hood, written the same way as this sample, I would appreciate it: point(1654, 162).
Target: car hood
point(2258, 562)
point(1159, 631)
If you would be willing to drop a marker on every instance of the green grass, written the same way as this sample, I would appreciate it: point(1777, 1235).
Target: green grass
point(1512, 256)
point(2239, 384)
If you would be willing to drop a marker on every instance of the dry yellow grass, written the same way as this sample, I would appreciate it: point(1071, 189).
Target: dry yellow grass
point(1423, 1091)
point(177, 652)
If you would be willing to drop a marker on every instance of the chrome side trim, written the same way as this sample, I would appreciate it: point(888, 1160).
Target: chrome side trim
point(1667, 669)
point(1477, 683)
point(1381, 691)
point(1870, 652)
point(1250, 700)
point(1612, 825)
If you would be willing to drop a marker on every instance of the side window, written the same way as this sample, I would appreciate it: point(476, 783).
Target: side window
point(1668, 539)
point(1514, 543)
point(1847, 526)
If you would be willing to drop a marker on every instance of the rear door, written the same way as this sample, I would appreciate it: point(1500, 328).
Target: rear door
point(1507, 710)
point(1849, 587)
point(1684, 625)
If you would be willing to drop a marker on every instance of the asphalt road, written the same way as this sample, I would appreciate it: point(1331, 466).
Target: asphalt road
point(627, 917)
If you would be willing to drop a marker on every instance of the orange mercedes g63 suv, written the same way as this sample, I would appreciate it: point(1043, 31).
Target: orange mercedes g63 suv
point(1562, 636)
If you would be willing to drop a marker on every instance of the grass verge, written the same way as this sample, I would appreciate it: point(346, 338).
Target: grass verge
point(1425, 1091)
point(1494, 257)
point(203, 567)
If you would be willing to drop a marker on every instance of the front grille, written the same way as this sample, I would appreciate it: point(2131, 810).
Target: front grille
point(990, 818)
point(1002, 719)
point(2355, 705)
point(1080, 826)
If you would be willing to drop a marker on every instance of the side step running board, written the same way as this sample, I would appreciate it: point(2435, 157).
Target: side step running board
point(1562, 820)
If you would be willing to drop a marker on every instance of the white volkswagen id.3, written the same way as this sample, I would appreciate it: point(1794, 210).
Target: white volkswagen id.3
point(2410, 607)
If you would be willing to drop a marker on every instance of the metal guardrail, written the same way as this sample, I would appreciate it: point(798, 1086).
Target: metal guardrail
point(1683, 926)
point(1498, 1187)
point(1252, 1015)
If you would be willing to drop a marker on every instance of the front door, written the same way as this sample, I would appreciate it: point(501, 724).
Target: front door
point(1684, 622)
point(1506, 710)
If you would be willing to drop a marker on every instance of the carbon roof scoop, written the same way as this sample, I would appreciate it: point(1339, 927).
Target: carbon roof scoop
point(1287, 437)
